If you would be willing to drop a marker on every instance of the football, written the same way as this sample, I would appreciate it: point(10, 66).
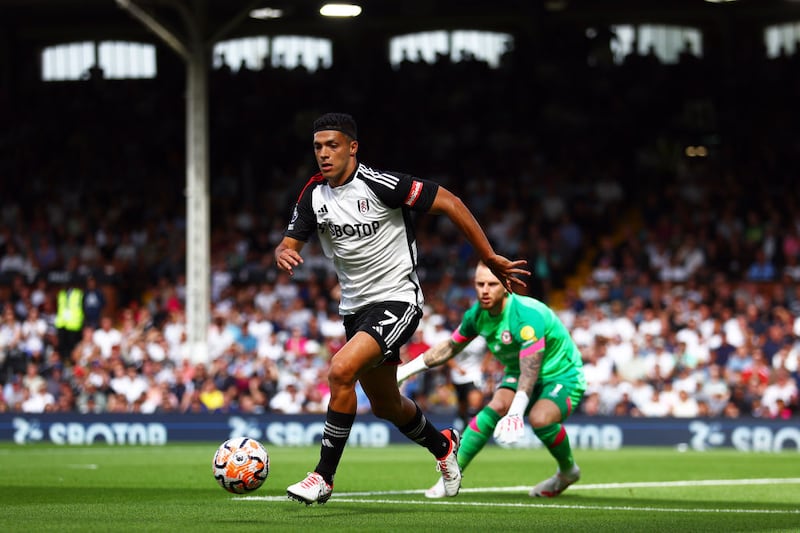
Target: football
point(241, 465)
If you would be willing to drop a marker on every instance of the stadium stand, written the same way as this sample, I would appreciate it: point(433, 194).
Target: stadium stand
point(678, 275)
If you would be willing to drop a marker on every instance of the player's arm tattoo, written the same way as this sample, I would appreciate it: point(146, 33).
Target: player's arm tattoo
point(529, 372)
point(440, 353)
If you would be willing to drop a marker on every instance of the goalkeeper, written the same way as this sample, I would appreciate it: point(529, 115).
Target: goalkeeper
point(543, 377)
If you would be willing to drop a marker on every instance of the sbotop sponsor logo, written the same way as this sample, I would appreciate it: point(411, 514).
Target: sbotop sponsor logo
point(31, 430)
point(744, 438)
point(350, 230)
point(372, 434)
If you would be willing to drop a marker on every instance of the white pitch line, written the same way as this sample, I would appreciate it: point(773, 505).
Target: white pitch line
point(368, 497)
point(692, 483)
point(631, 485)
point(572, 507)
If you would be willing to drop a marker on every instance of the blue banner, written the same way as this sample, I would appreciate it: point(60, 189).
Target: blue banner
point(606, 433)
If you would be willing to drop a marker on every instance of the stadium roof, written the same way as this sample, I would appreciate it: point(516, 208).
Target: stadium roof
point(44, 21)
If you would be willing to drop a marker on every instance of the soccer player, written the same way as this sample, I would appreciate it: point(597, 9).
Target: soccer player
point(362, 218)
point(543, 377)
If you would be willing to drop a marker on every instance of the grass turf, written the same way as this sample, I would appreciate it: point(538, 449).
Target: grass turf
point(170, 488)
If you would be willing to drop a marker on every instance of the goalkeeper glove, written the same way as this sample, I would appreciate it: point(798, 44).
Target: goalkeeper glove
point(509, 430)
point(415, 366)
point(511, 427)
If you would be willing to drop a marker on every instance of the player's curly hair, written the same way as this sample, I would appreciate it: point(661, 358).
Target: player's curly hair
point(339, 122)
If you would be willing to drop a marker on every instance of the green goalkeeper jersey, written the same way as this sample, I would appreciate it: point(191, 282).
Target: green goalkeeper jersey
point(526, 326)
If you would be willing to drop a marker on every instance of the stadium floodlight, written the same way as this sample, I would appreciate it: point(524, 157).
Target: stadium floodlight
point(340, 10)
point(266, 13)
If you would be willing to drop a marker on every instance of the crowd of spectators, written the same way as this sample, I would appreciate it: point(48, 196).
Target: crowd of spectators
point(679, 277)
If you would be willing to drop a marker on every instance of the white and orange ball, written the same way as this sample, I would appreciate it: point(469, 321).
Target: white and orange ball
point(241, 465)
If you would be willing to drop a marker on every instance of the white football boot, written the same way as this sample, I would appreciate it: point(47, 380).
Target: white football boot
point(448, 465)
point(437, 491)
point(553, 486)
point(312, 489)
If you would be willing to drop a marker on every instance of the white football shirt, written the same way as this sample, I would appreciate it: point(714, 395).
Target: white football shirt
point(365, 226)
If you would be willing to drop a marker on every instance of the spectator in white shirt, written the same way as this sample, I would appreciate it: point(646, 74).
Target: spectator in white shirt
point(259, 326)
point(435, 331)
point(34, 330)
point(660, 362)
point(581, 332)
point(128, 383)
point(690, 335)
point(787, 357)
point(734, 327)
point(642, 392)
point(714, 390)
point(624, 324)
point(597, 368)
point(604, 272)
point(174, 329)
point(668, 394)
point(690, 254)
point(686, 406)
point(38, 400)
point(621, 353)
point(655, 406)
point(288, 401)
point(106, 336)
point(783, 387)
point(602, 325)
point(13, 261)
point(651, 323)
point(220, 337)
point(686, 380)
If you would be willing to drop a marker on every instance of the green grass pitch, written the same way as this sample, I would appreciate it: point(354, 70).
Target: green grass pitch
point(170, 488)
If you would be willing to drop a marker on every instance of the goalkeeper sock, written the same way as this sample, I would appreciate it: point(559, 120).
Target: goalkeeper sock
point(334, 438)
point(476, 435)
point(555, 438)
point(421, 431)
